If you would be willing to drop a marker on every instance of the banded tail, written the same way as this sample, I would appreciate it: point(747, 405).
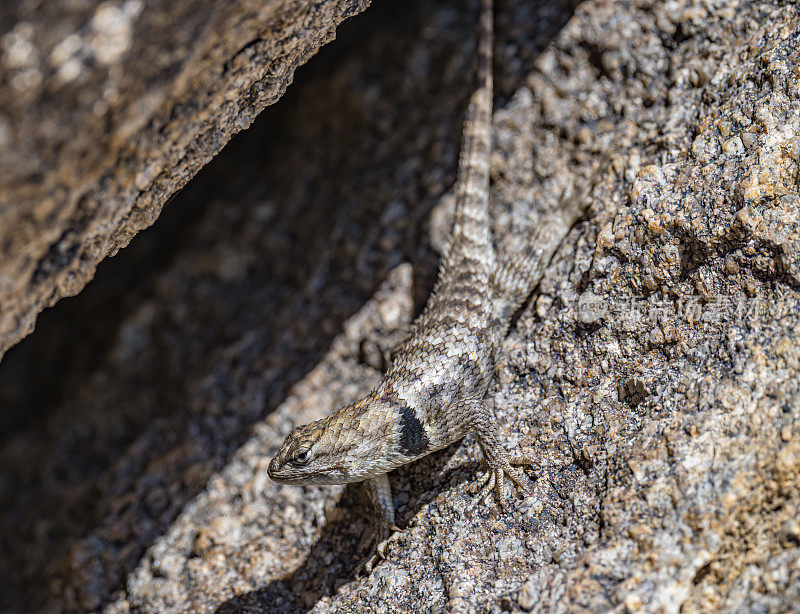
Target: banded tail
point(470, 239)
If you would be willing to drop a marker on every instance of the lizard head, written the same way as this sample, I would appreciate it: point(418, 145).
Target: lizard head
point(313, 454)
point(345, 447)
point(301, 458)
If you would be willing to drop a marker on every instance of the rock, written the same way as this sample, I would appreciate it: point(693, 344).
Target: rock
point(665, 424)
point(108, 109)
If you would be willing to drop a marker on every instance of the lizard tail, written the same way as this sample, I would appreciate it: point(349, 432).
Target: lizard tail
point(470, 239)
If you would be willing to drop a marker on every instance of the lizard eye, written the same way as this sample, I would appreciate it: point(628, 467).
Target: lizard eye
point(302, 456)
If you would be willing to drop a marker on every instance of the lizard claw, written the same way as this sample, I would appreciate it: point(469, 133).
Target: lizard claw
point(386, 534)
point(369, 563)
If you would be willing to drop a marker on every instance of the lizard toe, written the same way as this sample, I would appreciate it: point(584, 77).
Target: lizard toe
point(488, 485)
point(499, 489)
point(381, 548)
point(494, 484)
point(516, 477)
point(522, 461)
point(386, 535)
point(370, 563)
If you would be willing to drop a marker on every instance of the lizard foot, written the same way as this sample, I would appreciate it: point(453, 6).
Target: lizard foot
point(386, 534)
point(494, 481)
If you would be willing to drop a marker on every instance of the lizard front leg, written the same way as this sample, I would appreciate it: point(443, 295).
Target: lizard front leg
point(380, 492)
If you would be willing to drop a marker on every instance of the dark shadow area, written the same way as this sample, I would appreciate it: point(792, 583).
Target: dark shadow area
point(126, 398)
point(72, 337)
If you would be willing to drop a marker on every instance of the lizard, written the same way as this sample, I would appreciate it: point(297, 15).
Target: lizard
point(432, 394)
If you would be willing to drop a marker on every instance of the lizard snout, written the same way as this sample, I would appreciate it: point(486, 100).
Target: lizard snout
point(273, 468)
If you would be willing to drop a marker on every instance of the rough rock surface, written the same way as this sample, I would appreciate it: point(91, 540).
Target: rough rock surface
point(108, 108)
point(655, 373)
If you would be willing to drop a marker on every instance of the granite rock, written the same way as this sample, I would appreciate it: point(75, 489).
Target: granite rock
point(654, 374)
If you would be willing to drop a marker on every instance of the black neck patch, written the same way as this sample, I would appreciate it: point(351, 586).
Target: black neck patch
point(413, 440)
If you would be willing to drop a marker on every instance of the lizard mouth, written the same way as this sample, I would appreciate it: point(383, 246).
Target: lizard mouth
point(288, 477)
point(282, 474)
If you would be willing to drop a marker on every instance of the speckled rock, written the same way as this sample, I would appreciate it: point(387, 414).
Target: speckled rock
point(107, 109)
point(655, 373)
